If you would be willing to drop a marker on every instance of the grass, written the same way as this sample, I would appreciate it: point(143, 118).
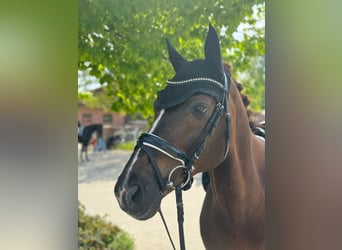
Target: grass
point(126, 145)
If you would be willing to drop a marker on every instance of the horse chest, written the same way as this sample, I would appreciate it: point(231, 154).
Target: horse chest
point(225, 229)
point(216, 231)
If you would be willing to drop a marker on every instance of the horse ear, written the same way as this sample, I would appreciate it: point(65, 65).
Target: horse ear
point(175, 58)
point(212, 52)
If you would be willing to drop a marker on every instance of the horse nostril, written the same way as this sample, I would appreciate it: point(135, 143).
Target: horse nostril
point(133, 195)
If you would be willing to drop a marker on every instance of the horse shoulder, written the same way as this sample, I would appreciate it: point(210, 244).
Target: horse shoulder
point(210, 220)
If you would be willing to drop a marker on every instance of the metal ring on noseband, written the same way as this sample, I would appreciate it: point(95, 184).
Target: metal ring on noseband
point(170, 183)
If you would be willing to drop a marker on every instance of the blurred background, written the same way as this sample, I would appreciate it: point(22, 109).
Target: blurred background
point(123, 62)
point(45, 46)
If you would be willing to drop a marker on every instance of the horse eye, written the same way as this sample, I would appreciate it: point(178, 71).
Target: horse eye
point(201, 109)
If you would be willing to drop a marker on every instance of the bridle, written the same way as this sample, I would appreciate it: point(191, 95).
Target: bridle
point(149, 141)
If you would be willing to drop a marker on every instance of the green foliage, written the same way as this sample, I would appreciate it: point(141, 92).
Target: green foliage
point(122, 43)
point(85, 96)
point(126, 146)
point(100, 100)
point(253, 83)
point(95, 233)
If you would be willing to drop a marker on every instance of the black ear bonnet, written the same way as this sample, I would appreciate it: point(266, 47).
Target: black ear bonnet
point(206, 76)
point(177, 92)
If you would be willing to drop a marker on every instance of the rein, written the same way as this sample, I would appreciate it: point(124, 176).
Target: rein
point(148, 141)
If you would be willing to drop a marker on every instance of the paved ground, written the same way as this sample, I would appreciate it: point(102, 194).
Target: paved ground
point(96, 180)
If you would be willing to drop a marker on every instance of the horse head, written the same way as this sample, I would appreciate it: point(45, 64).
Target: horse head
point(190, 133)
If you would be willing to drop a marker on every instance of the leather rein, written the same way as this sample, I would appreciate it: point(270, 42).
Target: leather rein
point(150, 141)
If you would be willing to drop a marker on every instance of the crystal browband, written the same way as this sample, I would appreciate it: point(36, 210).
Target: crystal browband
point(194, 80)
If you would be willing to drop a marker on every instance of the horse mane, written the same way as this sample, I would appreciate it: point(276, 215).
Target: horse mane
point(253, 124)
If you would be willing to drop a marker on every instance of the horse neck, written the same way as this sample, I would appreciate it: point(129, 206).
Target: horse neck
point(236, 180)
point(89, 130)
point(93, 128)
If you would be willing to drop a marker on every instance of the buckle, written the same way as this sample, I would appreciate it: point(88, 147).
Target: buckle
point(188, 180)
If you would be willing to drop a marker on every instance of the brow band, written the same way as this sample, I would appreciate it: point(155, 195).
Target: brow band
point(193, 80)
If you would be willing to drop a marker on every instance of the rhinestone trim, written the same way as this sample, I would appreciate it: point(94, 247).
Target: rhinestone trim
point(193, 80)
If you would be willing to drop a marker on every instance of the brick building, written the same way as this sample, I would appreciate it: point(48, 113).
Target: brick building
point(111, 121)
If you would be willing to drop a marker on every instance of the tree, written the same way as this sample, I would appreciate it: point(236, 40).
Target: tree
point(122, 43)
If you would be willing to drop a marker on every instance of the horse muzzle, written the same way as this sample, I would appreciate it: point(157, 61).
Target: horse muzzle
point(138, 200)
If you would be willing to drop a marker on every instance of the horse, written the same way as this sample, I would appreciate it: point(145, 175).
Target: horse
point(85, 137)
point(256, 123)
point(258, 129)
point(201, 125)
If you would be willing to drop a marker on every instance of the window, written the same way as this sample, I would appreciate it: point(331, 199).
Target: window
point(107, 118)
point(87, 118)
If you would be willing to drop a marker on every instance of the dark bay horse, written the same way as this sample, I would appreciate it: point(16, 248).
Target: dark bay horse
point(201, 125)
point(256, 122)
point(86, 136)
